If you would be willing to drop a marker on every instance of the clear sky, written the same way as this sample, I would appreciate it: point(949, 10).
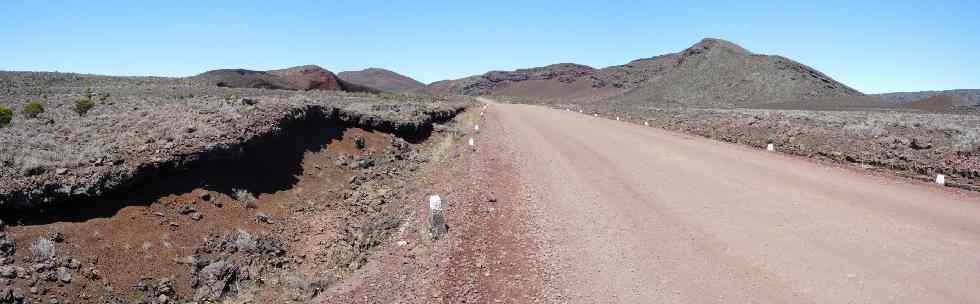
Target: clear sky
point(872, 46)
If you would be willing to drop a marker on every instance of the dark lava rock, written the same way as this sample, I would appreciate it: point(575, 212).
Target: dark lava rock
point(7, 246)
point(64, 275)
point(263, 218)
point(11, 295)
point(359, 142)
point(8, 272)
point(365, 162)
point(248, 101)
point(56, 237)
point(215, 280)
point(187, 210)
point(918, 144)
point(204, 195)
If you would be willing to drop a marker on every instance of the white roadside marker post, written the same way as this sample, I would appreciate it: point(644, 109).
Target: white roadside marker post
point(437, 222)
point(476, 128)
point(472, 143)
point(596, 115)
point(941, 179)
point(770, 148)
point(646, 123)
point(580, 111)
point(617, 118)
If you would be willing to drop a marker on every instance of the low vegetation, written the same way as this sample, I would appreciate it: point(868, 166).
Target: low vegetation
point(42, 249)
point(33, 109)
point(83, 105)
point(245, 198)
point(6, 115)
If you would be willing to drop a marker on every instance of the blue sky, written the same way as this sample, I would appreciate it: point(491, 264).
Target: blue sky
point(872, 46)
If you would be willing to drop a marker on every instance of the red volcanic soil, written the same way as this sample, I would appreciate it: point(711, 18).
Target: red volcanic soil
point(381, 79)
point(935, 103)
point(303, 78)
point(309, 77)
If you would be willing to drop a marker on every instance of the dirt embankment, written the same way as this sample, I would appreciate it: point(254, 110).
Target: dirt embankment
point(281, 197)
point(141, 127)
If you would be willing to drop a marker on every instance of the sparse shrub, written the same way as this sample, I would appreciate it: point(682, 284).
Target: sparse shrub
point(42, 249)
point(865, 129)
point(33, 109)
point(245, 198)
point(967, 141)
point(6, 115)
point(83, 105)
point(244, 241)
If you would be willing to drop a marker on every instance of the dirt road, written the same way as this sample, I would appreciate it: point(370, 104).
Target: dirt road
point(632, 214)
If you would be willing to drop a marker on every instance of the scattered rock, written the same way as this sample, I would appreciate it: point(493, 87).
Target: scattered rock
point(2, 226)
point(204, 195)
point(60, 171)
point(7, 246)
point(214, 280)
point(196, 216)
point(64, 275)
point(263, 218)
point(165, 288)
point(185, 210)
point(365, 162)
point(918, 144)
point(248, 101)
point(8, 272)
point(342, 161)
point(359, 142)
point(190, 130)
point(56, 237)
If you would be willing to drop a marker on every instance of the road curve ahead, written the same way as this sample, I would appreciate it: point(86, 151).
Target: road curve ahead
point(633, 214)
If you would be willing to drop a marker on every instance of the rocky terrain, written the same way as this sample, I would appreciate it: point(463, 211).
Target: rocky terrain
point(172, 190)
point(710, 73)
point(382, 79)
point(960, 97)
point(140, 127)
point(910, 143)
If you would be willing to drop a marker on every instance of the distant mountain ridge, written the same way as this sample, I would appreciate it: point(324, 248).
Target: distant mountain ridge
point(712, 72)
point(382, 79)
point(961, 96)
point(304, 78)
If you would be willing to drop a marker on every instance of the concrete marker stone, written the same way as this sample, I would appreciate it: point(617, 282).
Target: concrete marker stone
point(437, 222)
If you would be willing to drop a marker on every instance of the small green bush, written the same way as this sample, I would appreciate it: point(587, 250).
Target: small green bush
point(6, 114)
point(83, 105)
point(33, 109)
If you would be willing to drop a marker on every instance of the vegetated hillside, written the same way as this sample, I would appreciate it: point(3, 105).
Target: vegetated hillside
point(139, 125)
point(381, 79)
point(962, 97)
point(305, 78)
point(712, 72)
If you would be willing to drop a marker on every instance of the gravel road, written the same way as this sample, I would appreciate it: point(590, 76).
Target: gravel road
point(633, 214)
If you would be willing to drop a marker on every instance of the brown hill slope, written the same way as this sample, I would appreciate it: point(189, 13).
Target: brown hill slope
point(966, 97)
point(303, 78)
point(712, 72)
point(381, 79)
